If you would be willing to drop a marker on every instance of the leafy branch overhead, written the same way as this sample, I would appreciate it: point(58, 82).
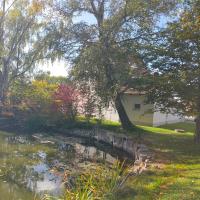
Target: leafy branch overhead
point(175, 57)
point(105, 50)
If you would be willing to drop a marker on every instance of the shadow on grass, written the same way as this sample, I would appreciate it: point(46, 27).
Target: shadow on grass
point(166, 184)
point(178, 147)
point(125, 193)
point(184, 191)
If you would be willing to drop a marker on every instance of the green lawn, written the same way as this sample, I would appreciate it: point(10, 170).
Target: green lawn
point(188, 127)
point(174, 173)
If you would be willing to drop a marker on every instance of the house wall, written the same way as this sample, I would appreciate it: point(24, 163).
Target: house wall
point(144, 116)
point(163, 118)
point(111, 114)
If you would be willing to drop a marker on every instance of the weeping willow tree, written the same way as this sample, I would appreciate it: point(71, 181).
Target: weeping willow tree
point(20, 49)
point(102, 39)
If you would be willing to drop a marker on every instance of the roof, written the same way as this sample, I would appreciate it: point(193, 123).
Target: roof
point(133, 91)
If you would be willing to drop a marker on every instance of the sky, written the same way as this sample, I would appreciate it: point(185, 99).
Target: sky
point(61, 67)
point(57, 68)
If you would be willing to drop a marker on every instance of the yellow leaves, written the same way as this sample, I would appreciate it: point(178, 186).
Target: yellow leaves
point(197, 22)
point(190, 25)
point(190, 21)
point(40, 94)
point(24, 8)
point(44, 86)
point(14, 14)
point(1, 13)
point(35, 7)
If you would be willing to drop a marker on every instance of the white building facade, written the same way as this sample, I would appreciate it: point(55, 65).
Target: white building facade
point(141, 113)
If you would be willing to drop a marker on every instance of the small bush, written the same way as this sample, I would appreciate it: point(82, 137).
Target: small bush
point(66, 100)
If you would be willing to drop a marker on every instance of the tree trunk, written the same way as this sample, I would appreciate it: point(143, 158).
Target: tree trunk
point(4, 83)
point(4, 70)
point(2, 98)
point(2, 94)
point(125, 121)
point(197, 132)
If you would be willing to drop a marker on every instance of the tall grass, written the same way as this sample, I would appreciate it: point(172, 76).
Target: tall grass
point(97, 184)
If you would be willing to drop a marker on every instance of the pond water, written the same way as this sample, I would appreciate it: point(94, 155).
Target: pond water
point(35, 165)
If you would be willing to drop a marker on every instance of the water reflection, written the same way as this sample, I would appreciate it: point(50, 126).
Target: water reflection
point(11, 191)
point(94, 154)
point(42, 165)
point(41, 180)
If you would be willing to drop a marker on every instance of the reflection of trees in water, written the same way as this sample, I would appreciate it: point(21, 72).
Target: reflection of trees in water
point(41, 167)
point(93, 154)
point(31, 178)
point(9, 191)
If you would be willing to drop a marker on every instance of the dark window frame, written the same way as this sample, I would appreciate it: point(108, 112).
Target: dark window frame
point(137, 106)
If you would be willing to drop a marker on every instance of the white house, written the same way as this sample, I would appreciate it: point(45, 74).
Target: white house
point(141, 113)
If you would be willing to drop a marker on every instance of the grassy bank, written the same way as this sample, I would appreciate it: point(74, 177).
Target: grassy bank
point(174, 173)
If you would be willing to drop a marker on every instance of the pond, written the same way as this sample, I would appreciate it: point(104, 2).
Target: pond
point(40, 164)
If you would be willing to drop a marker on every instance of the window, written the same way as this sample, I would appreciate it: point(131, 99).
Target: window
point(137, 106)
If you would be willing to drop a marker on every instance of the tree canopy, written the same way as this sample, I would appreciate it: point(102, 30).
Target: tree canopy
point(20, 46)
point(176, 58)
point(105, 53)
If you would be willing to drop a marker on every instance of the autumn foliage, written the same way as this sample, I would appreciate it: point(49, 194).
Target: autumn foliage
point(66, 100)
point(57, 101)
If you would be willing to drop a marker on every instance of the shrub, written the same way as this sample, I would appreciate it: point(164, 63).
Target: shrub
point(88, 102)
point(35, 96)
point(66, 101)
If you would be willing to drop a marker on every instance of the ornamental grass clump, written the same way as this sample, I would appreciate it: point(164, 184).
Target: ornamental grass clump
point(98, 183)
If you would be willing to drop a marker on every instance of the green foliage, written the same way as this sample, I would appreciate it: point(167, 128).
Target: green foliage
point(45, 76)
point(41, 94)
point(20, 41)
point(117, 38)
point(84, 123)
point(106, 54)
point(35, 96)
point(99, 183)
point(18, 90)
point(175, 57)
point(176, 60)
